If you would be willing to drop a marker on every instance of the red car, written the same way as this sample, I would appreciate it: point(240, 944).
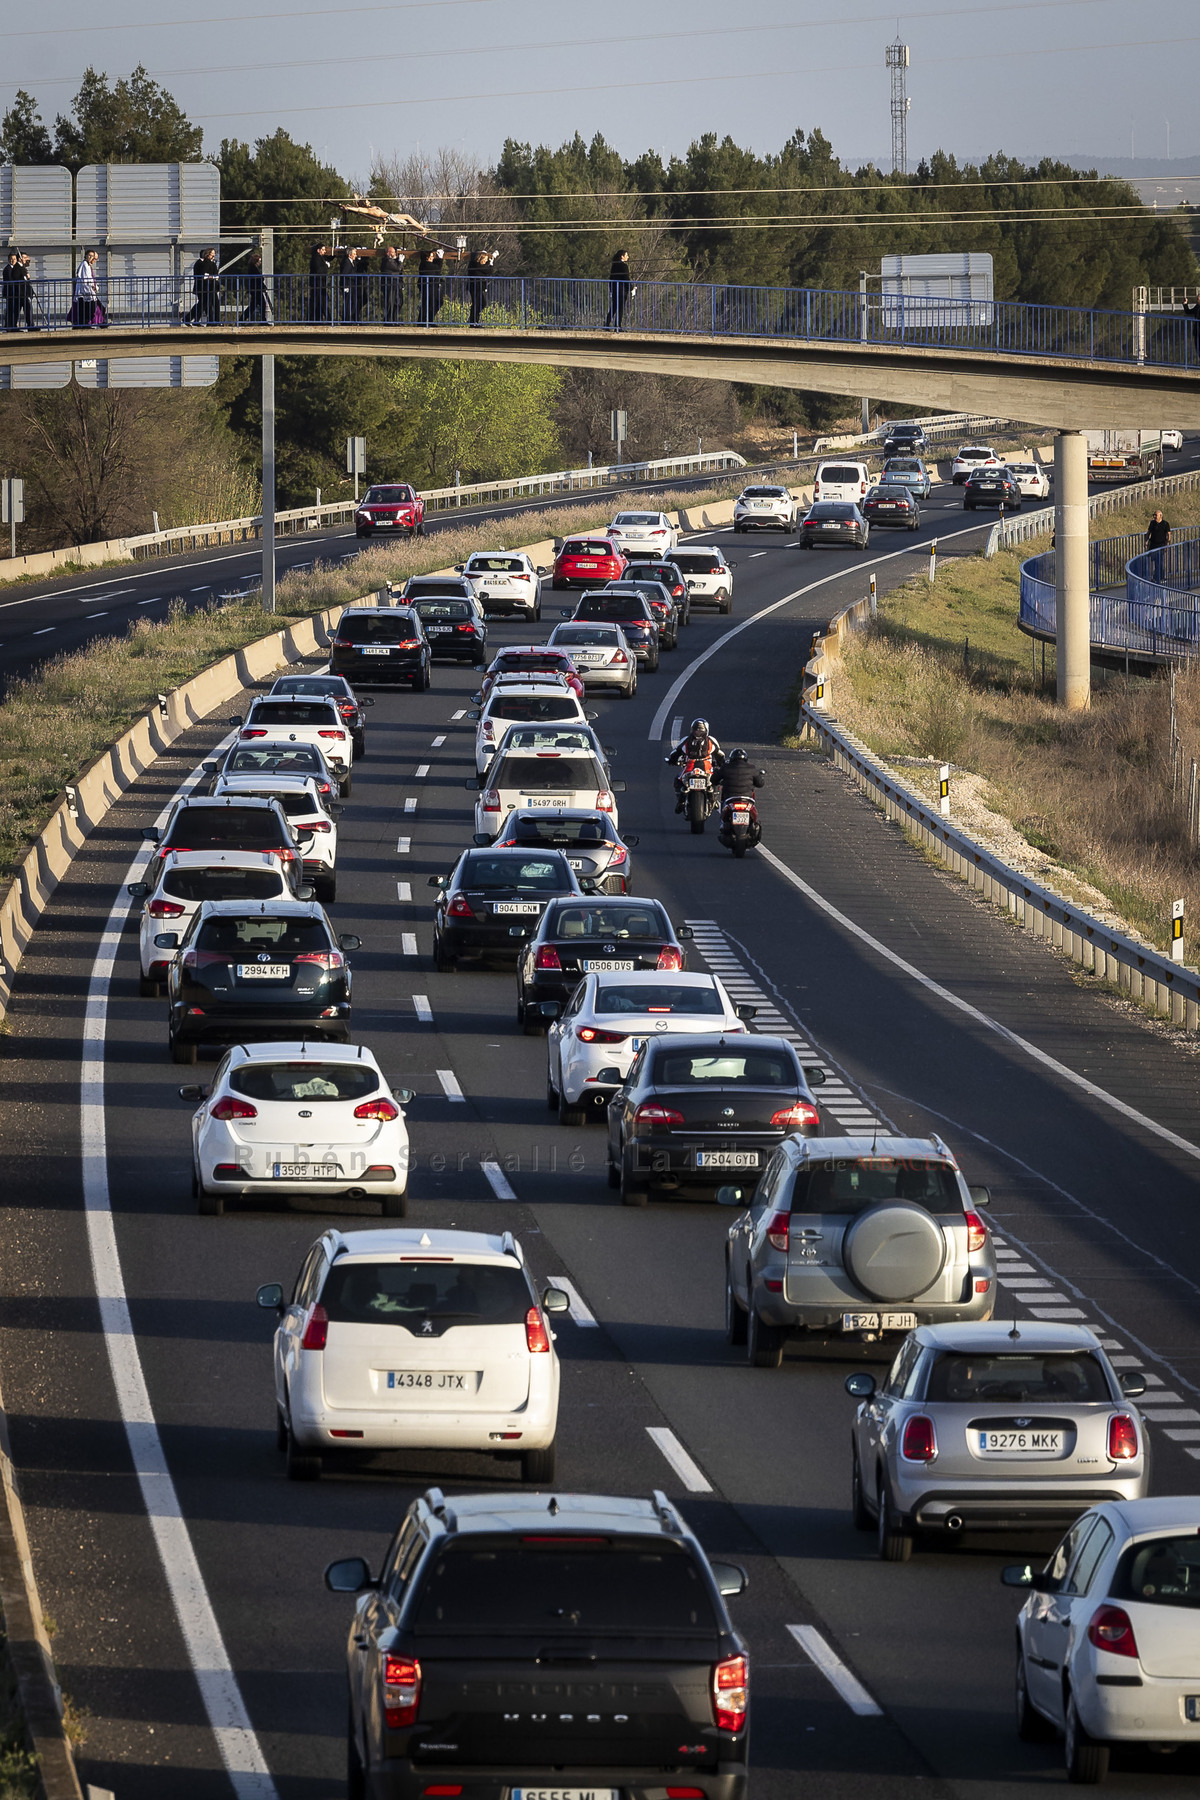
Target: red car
point(590, 560)
point(537, 659)
point(393, 506)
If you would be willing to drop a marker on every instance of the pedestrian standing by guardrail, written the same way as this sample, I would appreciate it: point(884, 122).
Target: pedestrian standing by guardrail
point(257, 308)
point(206, 285)
point(1158, 536)
point(319, 264)
point(392, 283)
point(86, 307)
point(618, 289)
point(18, 294)
point(478, 285)
point(432, 286)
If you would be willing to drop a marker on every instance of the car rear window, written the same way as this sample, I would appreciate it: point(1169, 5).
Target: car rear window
point(529, 829)
point(283, 938)
point(692, 1068)
point(332, 685)
point(304, 1081)
point(583, 1587)
point(225, 828)
point(1163, 1571)
point(294, 712)
point(854, 1183)
point(408, 1293)
point(495, 565)
point(223, 884)
point(636, 519)
point(295, 805)
point(762, 493)
point(831, 509)
point(548, 737)
point(618, 922)
point(526, 659)
point(613, 606)
point(692, 562)
point(543, 708)
point(430, 587)
point(1057, 1377)
point(588, 547)
point(442, 609)
point(274, 759)
point(586, 634)
point(657, 997)
point(907, 465)
point(840, 472)
point(534, 773)
point(371, 628)
point(545, 873)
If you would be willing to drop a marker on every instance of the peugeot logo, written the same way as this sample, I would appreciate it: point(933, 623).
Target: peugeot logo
point(427, 1328)
point(304, 1113)
point(264, 956)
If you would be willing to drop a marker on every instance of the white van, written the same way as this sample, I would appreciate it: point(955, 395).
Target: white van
point(841, 480)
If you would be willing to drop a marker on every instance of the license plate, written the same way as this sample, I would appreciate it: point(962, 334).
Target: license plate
point(542, 800)
point(587, 660)
point(879, 1321)
point(574, 862)
point(606, 966)
point(697, 781)
point(887, 506)
point(585, 565)
point(438, 630)
point(1191, 1708)
point(435, 1381)
point(1021, 1443)
point(727, 1159)
point(561, 1793)
point(306, 1172)
point(375, 650)
point(517, 906)
point(264, 971)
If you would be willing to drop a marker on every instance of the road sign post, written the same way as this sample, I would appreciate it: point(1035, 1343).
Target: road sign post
point(267, 241)
point(12, 507)
point(620, 430)
point(356, 460)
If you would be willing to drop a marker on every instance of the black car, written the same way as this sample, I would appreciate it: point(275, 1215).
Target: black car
point(337, 689)
point(658, 596)
point(888, 503)
point(454, 629)
point(992, 485)
point(573, 939)
point(383, 644)
point(271, 971)
point(905, 440)
point(834, 522)
point(700, 1112)
point(675, 582)
point(276, 757)
point(250, 823)
point(633, 614)
point(493, 898)
point(588, 840)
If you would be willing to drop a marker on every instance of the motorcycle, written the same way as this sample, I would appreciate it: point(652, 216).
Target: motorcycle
point(696, 786)
point(739, 825)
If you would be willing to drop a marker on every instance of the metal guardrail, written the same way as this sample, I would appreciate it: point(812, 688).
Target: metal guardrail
point(1156, 617)
point(537, 303)
point(935, 425)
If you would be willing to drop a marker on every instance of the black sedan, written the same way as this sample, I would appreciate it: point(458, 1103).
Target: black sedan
point(573, 939)
point(992, 485)
point(837, 522)
point(381, 644)
point(702, 1112)
point(493, 899)
point(337, 689)
point(657, 596)
point(455, 629)
point(588, 840)
point(888, 503)
point(675, 582)
point(271, 971)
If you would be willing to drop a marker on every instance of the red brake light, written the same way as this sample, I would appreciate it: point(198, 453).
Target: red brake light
point(920, 1442)
point(316, 1331)
point(668, 958)
point(382, 1109)
point(604, 800)
point(652, 1113)
point(323, 959)
point(592, 1034)
point(229, 1108)
point(778, 1227)
point(536, 1335)
point(547, 958)
point(976, 1233)
point(618, 856)
point(339, 735)
point(620, 657)
point(259, 733)
point(731, 1680)
point(459, 908)
point(792, 1118)
point(164, 909)
point(1111, 1629)
point(1122, 1438)
point(401, 1690)
point(491, 801)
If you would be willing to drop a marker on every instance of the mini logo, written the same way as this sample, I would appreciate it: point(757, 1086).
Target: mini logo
point(264, 956)
point(304, 1113)
point(1022, 1422)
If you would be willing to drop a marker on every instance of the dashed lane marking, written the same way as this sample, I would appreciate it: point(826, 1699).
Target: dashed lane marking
point(438, 742)
point(404, 892)
point(497, 1180)
point(410, 805)
point(690, 1473)
point(408, 943)
point(420, 773)
point(423, 1009)
point(403, 846)
point(835, 1672)
point(460, 714)
point(450, 1087)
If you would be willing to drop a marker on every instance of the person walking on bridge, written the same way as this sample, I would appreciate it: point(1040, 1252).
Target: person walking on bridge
point(393, 285)
point(206, 285)
point(318, 285)
point(1158, 536)
point(17, 292)
point(429, 276)
point(618, 289)
point(478, 284)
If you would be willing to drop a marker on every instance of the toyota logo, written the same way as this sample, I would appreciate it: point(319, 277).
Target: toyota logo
point(264, 956)
point(609, 949)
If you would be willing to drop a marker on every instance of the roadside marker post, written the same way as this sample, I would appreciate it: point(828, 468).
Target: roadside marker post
point(1177, 931)
point(944, 790)
point(932, 561)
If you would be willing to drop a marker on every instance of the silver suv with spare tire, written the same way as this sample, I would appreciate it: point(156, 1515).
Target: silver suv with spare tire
point(858, 1238)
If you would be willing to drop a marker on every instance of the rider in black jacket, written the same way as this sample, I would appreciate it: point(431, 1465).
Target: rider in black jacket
point(739, 778)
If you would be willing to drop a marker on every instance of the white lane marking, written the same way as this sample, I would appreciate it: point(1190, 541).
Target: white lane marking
point(408, 943)
point(102, 615)
point(681, 681)
point(835, 1672)
point(450, 1087)
point(497, 1181)
point(236, 1739)
point(1175, 1415)
point(438, 742)
point(981, 1018)
point(755, 553)
point(201, 590)
point(43, 631)
point(581, 1313)
point(410, 805)
point(460, 714)
point(404, 891)
point(423, 1009)
point(421, 772)
point(89, 599)
point(691, 1475)
point(1188, 1435)
point(403, 846)
point(88, 588)
point(677, 727)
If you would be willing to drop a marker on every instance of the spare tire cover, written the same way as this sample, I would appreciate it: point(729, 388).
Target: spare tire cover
point(894, 1251)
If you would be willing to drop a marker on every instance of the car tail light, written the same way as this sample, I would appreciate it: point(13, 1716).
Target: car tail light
point(669, 958)
point(619, 656)
point(548, 958)
point(401, 1690)
point(536, 1335)
point(317, 825)
point(652, 1113)
point(383, 1109)
point(164, 909)
point(791, 1118)
point(261, 732)
point(592, 1034)
point(201, 959)
point(1122, 1438)
point(459, 908)
point(976, 1233)
point(604, 800)
point(676, 1793)
point(316, 1331)
point(229, 1108)
point(491, 801)
point(1111, 1629)
point(618, 857)
point(778, 1226)
point(730, 1682)
point(920, 1440)
point(322, 959)
point(331, 733)
point(409, 644)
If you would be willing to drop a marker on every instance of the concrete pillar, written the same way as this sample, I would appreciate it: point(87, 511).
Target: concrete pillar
point(1072, 587)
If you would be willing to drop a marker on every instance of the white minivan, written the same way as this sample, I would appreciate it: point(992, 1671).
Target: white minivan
point(841, 480)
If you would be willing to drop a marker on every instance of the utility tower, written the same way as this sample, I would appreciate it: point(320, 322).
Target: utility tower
point(897, 62)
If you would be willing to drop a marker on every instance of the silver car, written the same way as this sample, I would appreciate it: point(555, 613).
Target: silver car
point(600, 653)
point(993, 1427)
point(857, 1238)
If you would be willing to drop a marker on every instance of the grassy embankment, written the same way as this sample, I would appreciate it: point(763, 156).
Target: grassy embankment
point(945, 674)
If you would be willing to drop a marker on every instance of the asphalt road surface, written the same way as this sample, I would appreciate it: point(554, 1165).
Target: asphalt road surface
point(184, 1572)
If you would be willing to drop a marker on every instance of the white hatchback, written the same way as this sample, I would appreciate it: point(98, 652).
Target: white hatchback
point(709, 577)
point(315, 828)
point(756, 506)
point(546, 701)
point(1032, 480)
point(971, 457)
point(185, 880)
point(301, 719)
point(315, 1117)
point(643, 533)
point(504, 581)
point(407, 1339)
point(590, 1047)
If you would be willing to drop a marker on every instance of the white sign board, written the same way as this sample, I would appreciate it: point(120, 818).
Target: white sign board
point(925, 291)
point(35, 217)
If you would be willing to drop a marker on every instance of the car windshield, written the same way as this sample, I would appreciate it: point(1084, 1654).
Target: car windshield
point(442, 609)
point(276, 759)
point(854, 1183)
point(1165, 1571)
point(223, 884)
point(587, 1586)
point(293, 712)
point(225, 828)
point(495, 565)
point(588, 547)
point(834, 472)
point(374, 628)
point(752, 1068)
point(585, 634)
point(613, 606)
point(658, 997)
point(533, 707)
point(407, 1293)
point(304, 1080)
point(240, 939)
point(617, 922)
point(388, 496)
point(1057, 1377)
point(546, 874)
point(530, 830)
point(548, 771)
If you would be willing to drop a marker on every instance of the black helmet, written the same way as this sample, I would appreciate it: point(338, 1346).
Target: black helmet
point(735, 756)
point(699, 728)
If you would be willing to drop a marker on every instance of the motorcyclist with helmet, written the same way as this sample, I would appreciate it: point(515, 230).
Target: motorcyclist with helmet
point(739, 777)
point(698, 746)
point(739, 816)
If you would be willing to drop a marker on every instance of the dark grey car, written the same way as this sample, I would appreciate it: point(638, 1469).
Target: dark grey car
point(836, 522)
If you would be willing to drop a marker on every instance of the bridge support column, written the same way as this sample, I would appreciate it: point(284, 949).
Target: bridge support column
point(1071, 584)
point(267, 245)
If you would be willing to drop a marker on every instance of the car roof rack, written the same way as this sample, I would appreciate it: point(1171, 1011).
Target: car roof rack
point(435, 1500)
point(510, 1246)
point(667, 1513)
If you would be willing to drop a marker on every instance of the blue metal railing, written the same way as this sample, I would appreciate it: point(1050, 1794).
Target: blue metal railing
point(1158, 615)
point(535, 303)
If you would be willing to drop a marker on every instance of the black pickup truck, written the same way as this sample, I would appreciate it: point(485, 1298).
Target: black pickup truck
point(544, 1647)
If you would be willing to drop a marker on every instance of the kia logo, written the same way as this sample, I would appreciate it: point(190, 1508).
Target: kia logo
point(304, 1114)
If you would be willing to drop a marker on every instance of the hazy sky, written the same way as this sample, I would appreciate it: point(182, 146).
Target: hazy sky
point(1063, 77)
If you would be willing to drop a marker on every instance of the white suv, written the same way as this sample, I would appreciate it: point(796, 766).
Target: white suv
point(301, 719)
point(546, 700)
point(185, 880)
point(764, 506)
point(643, 534)
point(504, 581)
point(971, 457)
point(709, 577)
point(407, 1339)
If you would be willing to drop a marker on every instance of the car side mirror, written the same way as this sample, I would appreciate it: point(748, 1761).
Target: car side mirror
point(545, 571)
point(589, 716)
point(481, 837)
point(458, 568)
point(633, 843)
point(555, 1301)
point(363, 700)
point(611, 1075)
point(210, 768)
point(565, 612)
point(236, 719)
point(860, 1385)
point(404, 1096)
point(518, 931)
point(150, 834)
point(609, 749)
point(166, 940)
point(550, 1009)
point(306, 891)
point(746, 1012)
point(440, 881)
point(270, 1297)
point(477, 699)
point(195, 1090)
point(731, 1196)
point(474, 717)
point(349, 1576)
point(616, 787)
point(472, 782)
point(139, 889)
point(815, 1077)
point(683, 932)
point(1133, 1385)
point(980, 1196)
point(348, 941)
point(1022, 1575)
point(730, 1577)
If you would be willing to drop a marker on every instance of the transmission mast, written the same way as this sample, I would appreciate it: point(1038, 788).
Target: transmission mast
point(897, 62)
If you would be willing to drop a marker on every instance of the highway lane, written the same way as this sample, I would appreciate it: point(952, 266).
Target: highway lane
point(772, 1444)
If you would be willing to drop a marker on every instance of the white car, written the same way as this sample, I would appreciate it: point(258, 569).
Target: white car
point(764, 506)
point(643, 533)
point(400, 1339)
point(1108, 1649)
point(286, 1116)
point(185, 879)
point(1032, 480)
point(971, 457)
point(600, 653)
point(590, 1047)
point(842, 480)
point(1172, 440)
point(271, 757)
point(504, 581)
point(709, 577)
point(530, 740)
point(301, 719)
point(315, 829)
point(546, 701)
point(543, 781)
